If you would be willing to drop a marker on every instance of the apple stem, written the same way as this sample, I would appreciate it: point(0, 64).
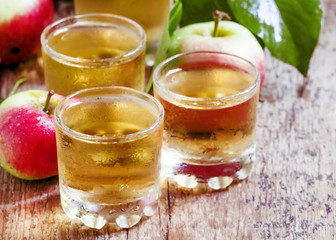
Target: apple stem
point(218, 16)
point(46, 104)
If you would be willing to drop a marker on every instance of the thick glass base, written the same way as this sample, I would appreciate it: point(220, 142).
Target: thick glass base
point(96, 215)
point(216, 176)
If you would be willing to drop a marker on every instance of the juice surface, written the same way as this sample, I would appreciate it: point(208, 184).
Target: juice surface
point(207, 83)
point(93, 43)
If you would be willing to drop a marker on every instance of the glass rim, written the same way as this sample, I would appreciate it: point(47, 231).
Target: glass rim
point(157, 73)
point(63, 22)
point(117, 91)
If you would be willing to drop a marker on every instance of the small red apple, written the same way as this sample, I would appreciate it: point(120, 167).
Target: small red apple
point(21, 25)
point(27, 135)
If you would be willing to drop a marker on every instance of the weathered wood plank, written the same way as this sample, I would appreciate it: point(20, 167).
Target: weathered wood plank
point(290, 194)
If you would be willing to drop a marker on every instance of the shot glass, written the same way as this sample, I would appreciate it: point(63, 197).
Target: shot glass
point(108, 149)
point(152, 15)
point(93, 50)
point(210, 101)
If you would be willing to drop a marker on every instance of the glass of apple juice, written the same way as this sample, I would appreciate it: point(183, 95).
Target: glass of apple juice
point(152, 15)
point(108, 149)
point(210, 101)
point(93, 50)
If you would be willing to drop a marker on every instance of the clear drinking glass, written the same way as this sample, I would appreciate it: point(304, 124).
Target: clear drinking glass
point(93, 50)
point(108, 148)
point(210, 101)
point(152, 15)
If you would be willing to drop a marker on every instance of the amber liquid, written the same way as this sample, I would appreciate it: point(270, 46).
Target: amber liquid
point(152, 15)
point(205, 134)
point(93, 43)
point(109, 172)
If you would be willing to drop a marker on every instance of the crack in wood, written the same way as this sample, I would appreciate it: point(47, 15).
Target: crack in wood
point(302, 91)
point(169, 210)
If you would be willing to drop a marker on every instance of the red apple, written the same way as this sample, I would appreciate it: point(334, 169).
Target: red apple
point(27, 135)
point(21, 25)
point(231, 38)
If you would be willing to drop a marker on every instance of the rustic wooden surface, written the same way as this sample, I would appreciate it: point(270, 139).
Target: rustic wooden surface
point(291, 193)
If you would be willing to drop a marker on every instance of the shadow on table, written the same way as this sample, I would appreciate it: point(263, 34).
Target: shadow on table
point(73, 229)
point(173, 188)
point(178, 197)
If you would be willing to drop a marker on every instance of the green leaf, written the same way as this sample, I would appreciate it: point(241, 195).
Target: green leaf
point(288, 28)
point(173, 22)
point(201, 11)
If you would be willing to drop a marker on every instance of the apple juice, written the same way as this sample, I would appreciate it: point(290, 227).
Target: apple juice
point(84, 54)
point(209, 128)
point(152, 15)
point(110, 165)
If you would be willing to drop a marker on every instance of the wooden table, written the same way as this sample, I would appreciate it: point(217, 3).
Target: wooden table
point(291, 193)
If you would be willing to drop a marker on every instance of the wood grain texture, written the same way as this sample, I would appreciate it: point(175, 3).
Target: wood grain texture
point(290, 194)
